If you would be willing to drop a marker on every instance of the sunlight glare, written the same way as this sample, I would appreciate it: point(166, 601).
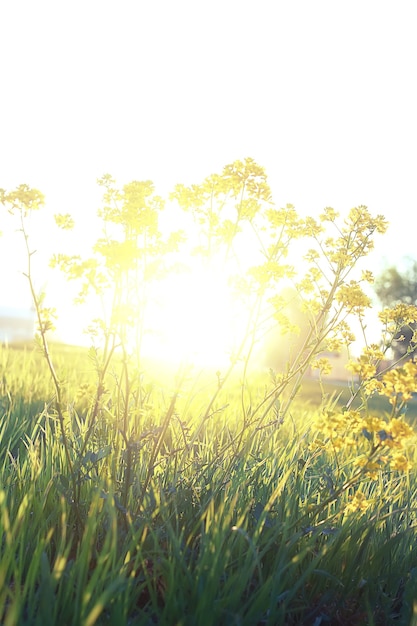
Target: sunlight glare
point(195, 319)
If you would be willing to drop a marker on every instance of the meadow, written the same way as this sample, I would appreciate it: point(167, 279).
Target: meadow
point(238, 524)
point(137, 492)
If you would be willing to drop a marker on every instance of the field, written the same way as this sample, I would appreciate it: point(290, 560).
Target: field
point(209, 514)
point(137, 491)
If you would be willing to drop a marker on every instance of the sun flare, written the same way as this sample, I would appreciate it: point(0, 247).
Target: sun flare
point(194, 319)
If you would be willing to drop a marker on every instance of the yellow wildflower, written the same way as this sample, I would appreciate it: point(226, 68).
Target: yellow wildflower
point(358, 504)
point(311, 255)
point(370, 468)
point(338, 443)
point(367, 276)
point(340, 257)
point(373, 424)
point(400, 462)
point(361, 368)
point(329, 215)
point(323, 365)
point(400, 381)
point(317, 444)
point(373, 386)
point(311, 227)
point(305, 285)
point(401, 314)
point(334, 344)
point(352, 297)
point(399, 430)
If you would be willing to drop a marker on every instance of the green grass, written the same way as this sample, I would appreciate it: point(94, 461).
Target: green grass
point(237, 523)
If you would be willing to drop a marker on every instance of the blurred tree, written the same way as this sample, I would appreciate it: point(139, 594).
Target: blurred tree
point(394, 287)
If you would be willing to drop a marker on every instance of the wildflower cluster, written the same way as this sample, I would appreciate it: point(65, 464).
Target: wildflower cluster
point(337, 428)
point(398, 316)
point(400, 382)
point(376, 442)
point(357, 504)
point(353, 298)
point(323, 365)
point(366, 366)
point(398, 322)
point(308, 282)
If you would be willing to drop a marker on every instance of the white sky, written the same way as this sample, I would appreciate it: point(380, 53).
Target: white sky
point(322, 94)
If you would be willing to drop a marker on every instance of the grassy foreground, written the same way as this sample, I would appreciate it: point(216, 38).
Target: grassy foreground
point(222, 522)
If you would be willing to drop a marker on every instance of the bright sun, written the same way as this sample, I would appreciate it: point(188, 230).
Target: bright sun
point(192, 318)
point(195, 319)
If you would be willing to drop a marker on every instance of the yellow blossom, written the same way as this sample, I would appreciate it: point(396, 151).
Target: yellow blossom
point(336, 425)
point(399, 430)
point(311, 255)
point(312, 306)
point(329, 215)
point(381, 224)
point(373, 386)
point(361, 368)
point(400, 381)
point(366, 365)
point(373, 352)
point(352, 297)
point(286, 218)
point(358, 504)
point(367, 276)
point(400, 462)
point(401, 314)
point(370, 468)
point(305, 285)
point(373, 424)
point(285, 324)
point(311, 227)
point(334, 344)
point(338, 443)
point(339, 257)
point(323, 364)
point(317, 444)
